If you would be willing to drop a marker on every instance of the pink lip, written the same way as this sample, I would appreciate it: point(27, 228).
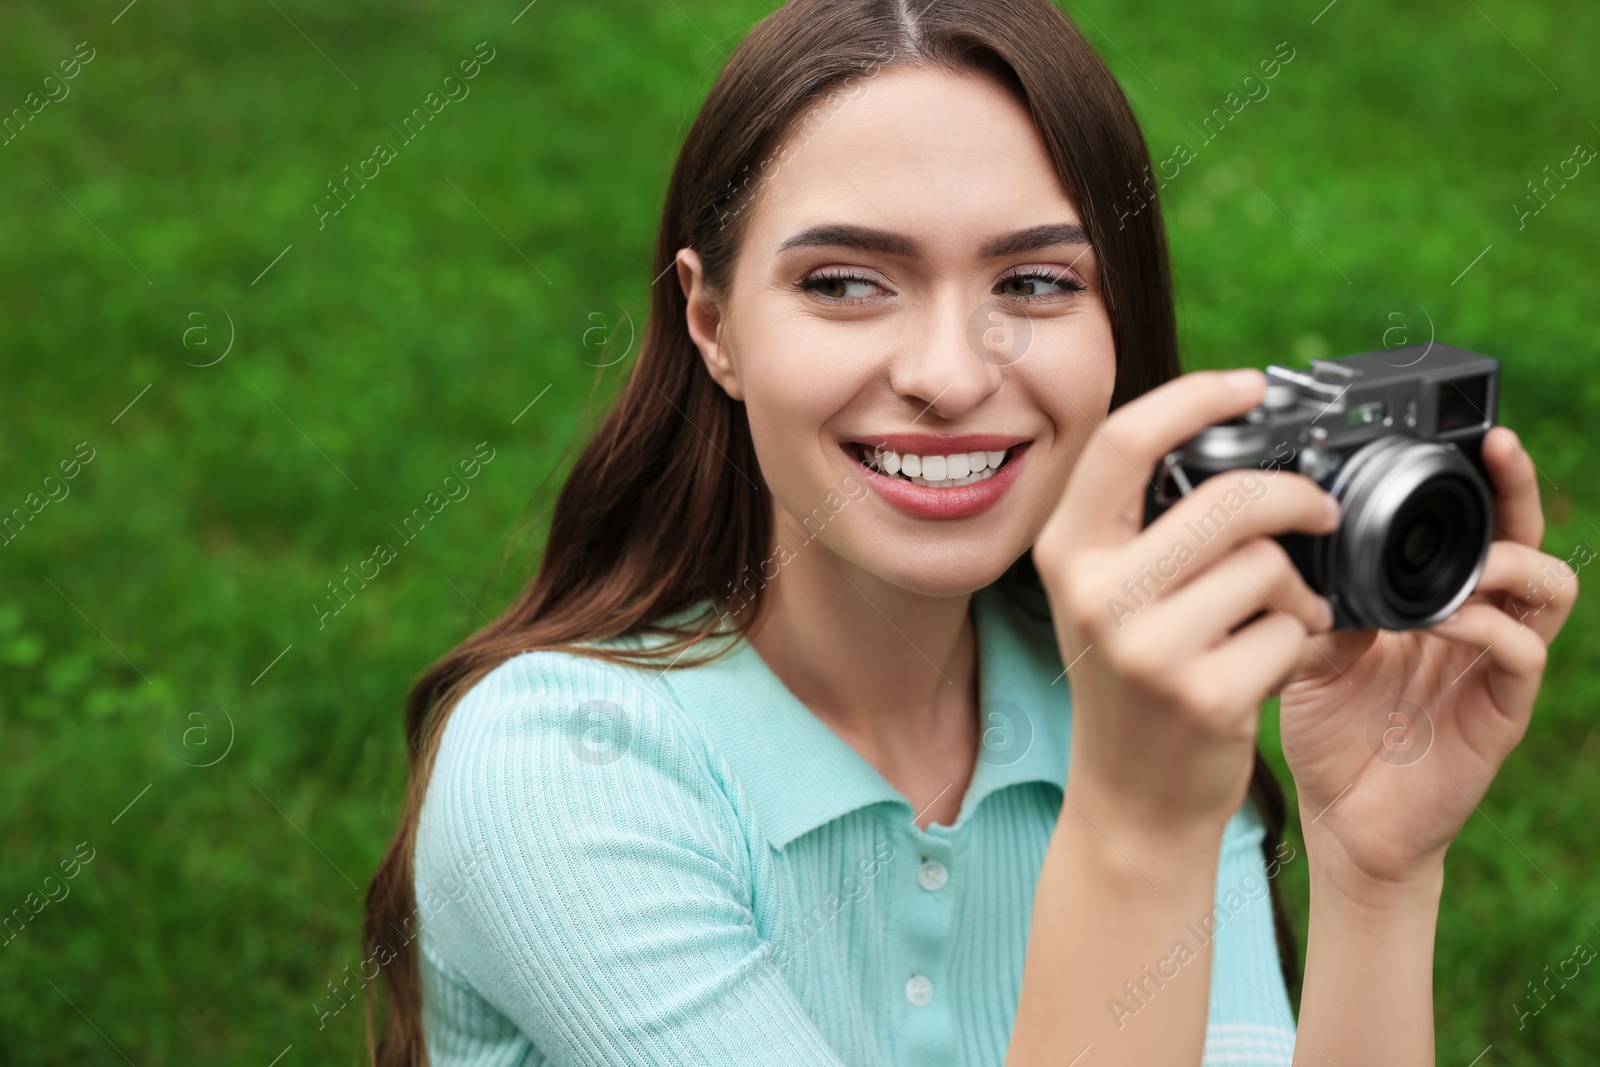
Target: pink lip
point(927, 502)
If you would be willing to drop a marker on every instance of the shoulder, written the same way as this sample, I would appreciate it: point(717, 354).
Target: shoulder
point(564, 755)
point(584, 868)
point(563, 715)
point(562, 697)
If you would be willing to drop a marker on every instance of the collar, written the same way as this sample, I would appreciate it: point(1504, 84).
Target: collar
point(800, 775)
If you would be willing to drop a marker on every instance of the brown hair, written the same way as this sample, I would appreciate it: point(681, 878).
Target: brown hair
point(665, 507)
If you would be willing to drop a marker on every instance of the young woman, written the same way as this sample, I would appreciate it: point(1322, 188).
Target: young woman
point(775, 761)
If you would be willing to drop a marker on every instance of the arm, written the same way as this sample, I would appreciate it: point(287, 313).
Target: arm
point(610, 917)
point(1172, 643)
point(1393, 739)
point(1103, 978)
point(1369, 957)
point(1210, 965)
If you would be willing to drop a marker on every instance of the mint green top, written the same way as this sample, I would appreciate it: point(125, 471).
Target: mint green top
point(617, 865)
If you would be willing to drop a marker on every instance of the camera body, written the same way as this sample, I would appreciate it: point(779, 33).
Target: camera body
point(1396, 437)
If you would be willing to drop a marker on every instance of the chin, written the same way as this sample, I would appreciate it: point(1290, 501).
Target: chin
point(939, 574)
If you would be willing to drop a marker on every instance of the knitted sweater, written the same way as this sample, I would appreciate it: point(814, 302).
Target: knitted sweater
point(617, 865)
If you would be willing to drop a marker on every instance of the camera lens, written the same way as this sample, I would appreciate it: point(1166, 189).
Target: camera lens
point(1415, 531)
point(1418, 542)
point(1427, 556)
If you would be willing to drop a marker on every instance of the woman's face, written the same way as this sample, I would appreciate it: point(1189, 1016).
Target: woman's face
point(913, 292)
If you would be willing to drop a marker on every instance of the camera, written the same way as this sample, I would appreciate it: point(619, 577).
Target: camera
point(1397, 438)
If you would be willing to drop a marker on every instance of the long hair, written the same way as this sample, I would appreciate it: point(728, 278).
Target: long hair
point(665, 507)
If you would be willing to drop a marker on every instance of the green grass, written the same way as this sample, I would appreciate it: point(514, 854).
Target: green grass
point(408, 330)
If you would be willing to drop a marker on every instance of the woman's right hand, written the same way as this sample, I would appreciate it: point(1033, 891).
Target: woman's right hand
point(1174, 635)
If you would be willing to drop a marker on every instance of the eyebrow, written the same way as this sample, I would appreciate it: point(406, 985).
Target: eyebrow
point(866, 239)
point(1059, 233)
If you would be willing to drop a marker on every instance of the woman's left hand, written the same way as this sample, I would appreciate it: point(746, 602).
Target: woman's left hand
point(1394, 737)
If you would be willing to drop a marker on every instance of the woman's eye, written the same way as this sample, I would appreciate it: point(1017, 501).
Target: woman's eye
point(1035, 284)
point(840, 287)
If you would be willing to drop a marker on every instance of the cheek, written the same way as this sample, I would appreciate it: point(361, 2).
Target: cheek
point(1074, 368)
point(791, 391)
point(1073, 388)
point(797, 377)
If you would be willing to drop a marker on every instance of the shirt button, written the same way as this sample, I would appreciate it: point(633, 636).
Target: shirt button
point(919, 991)
point(931, 874)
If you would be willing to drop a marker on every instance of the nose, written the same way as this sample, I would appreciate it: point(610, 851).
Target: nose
point(938, 370)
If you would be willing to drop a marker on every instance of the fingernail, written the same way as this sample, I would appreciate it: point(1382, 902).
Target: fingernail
point(1326, 612)
point(1245, 381)
point(1330, 504)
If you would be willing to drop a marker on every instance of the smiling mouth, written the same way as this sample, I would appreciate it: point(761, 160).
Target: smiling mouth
point(949, 471)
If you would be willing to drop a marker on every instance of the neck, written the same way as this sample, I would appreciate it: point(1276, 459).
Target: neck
point(892, 672)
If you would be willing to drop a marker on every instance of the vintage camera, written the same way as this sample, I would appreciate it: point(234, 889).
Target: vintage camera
point(1396, 436)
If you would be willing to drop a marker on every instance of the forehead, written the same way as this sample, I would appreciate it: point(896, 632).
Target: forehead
point(923, 151)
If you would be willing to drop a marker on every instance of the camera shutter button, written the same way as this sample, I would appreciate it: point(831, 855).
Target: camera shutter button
point(1280, 396)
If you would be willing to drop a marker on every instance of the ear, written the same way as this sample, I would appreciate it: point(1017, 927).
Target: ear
point(705, 315)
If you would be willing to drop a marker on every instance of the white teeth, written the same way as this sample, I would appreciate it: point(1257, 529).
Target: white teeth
point(940, 472)
point(952, 483)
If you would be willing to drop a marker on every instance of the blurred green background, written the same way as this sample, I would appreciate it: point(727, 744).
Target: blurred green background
point(170, 704)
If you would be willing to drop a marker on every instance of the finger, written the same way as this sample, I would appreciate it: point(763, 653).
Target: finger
point(1513, 655)
point(1228, 509)
point(1516, 482)
point(1104, 499)
point(1251, 665)
point(1542, 588)
point(1256, 577)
